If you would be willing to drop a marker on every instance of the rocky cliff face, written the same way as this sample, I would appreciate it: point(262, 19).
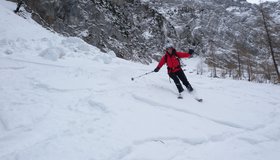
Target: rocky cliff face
point(138, 29)
point(130, 28)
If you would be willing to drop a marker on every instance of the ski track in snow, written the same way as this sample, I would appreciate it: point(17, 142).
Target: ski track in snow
point(160, 105)
point(89, 105)
point(82, 104)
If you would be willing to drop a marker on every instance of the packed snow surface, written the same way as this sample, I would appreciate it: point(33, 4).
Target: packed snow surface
point(62, 99)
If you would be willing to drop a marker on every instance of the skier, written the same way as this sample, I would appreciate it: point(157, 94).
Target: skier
point(19, 3)
point(175, 72)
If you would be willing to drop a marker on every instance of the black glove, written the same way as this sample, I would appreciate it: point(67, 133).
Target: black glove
point(191, 51)
point(156, 69)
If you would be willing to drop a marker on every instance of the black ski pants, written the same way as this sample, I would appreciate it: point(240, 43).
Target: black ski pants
point(180, 75)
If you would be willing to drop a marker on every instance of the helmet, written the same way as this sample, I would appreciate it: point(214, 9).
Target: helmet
point(168, 45)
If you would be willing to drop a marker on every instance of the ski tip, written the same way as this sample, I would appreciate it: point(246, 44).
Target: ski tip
point(199, 100)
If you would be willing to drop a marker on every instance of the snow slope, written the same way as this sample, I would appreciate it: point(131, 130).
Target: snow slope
point(61, 99)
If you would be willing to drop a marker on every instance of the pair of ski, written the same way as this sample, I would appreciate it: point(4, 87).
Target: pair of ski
point(192, 95)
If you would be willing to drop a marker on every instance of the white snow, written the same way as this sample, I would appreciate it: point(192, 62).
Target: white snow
point(147, 35)
point(53, 53)
point(258, 1)
point(76, 103)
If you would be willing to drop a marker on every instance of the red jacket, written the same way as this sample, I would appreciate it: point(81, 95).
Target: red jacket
point(172, 61)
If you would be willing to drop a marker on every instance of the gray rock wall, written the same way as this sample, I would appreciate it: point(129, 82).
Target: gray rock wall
point(137, 30)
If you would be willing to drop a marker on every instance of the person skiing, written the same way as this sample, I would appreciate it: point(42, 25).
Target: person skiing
point(175, 72)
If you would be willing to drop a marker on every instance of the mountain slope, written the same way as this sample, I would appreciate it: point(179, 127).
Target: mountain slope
point(64, 99)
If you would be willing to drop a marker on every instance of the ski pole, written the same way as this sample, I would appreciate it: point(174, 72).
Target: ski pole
point(141, 75)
